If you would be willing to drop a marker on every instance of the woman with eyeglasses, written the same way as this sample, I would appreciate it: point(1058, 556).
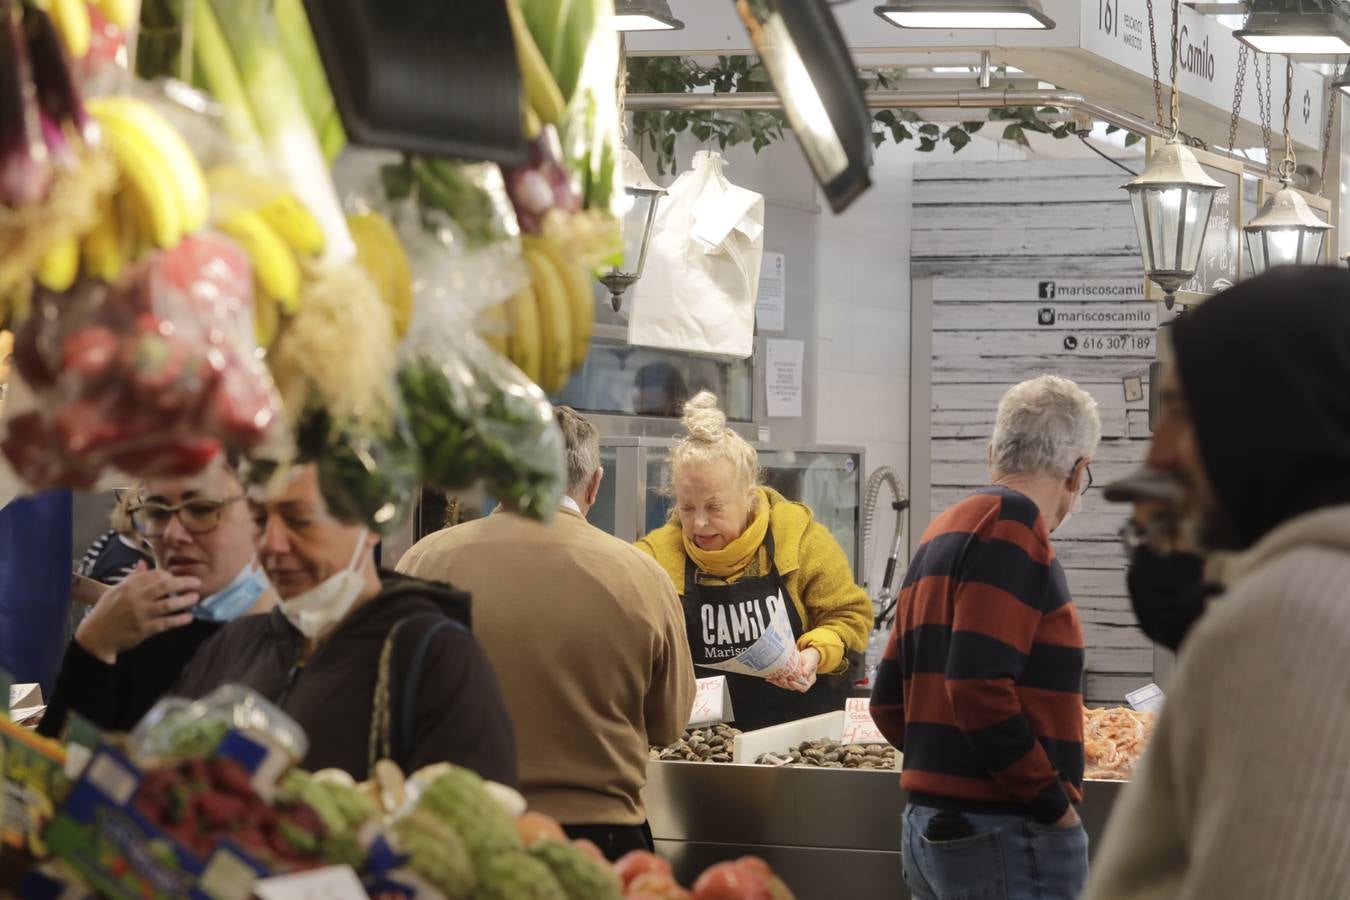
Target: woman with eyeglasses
point(134, 644)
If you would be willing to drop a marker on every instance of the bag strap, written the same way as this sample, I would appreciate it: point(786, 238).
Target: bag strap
point(385, 742)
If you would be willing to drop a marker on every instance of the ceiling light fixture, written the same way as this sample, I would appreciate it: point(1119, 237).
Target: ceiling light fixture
point(1172, 199)
point(1286, 231)
point(955, 15)
point(1297, 27)
point(644, 15)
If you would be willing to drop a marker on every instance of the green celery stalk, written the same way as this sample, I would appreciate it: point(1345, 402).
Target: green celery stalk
point(289, 138)
point(215, 72)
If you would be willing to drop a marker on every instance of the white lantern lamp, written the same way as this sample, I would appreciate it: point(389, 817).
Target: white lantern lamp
point(637, 225)
point(1286, 231)
point(1171, 200)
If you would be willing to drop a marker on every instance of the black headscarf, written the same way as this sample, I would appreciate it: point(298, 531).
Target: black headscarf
point(1265, 368)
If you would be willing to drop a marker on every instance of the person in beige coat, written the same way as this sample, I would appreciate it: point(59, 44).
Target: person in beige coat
point(587, 637)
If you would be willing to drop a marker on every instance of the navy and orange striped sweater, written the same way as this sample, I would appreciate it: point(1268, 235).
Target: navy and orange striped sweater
point(981, 684)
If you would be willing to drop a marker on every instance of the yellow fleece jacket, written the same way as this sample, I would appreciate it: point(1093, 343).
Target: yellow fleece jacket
point(835, 612)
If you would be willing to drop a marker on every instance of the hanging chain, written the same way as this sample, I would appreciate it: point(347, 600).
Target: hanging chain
point(1332, 102)
point(1157, 79)
point(1237, 96)
point(1263, 101)
point(1176, 62)
point(1289, 165)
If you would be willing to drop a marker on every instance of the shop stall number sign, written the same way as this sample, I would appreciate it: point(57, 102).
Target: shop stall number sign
point(858, 725)
point(712, 703)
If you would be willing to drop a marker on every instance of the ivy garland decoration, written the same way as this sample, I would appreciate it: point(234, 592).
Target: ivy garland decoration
point(657, 130)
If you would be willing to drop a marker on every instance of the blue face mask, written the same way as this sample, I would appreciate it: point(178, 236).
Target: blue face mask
point(235, 598)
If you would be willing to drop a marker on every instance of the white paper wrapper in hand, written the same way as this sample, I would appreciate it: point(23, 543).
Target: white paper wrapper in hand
point(697, 290)
point(772, 656)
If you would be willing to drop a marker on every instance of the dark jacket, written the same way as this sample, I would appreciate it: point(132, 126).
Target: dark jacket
point(460, 717)
point(116, 697)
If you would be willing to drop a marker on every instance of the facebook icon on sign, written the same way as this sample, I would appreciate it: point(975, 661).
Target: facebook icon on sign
point(1047, 290)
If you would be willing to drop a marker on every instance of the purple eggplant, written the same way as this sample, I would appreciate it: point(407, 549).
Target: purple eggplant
point(57, 94)
point(25, 170)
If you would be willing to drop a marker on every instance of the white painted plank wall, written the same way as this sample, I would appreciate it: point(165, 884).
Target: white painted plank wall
point(988, 234)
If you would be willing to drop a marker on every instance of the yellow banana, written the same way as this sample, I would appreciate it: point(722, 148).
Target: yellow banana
point(71, 18)
point(101, 250)
point(540, 86)
point(59, 265)
point(134, 224)
point(580, 296)
point(266, 318)
point(160, 136)
point(294, 222)
point(275, 269)
point(145, 175)
point(381, 254)
point(526, 340)
point(494, 328)
point(121, 13)
point(555, 319)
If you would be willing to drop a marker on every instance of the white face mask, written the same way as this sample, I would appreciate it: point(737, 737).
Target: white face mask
point(324, 605)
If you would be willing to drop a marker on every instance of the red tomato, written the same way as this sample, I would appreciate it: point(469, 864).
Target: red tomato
point(589, 848)
point(732, 881)
point(534, 827)
point(639, 862)
point(656, 886)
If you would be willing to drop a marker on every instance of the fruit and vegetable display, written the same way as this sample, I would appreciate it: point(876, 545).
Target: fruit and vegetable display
point(199, 783)
point(828, 754)
point(189, 265)
point(712, 744)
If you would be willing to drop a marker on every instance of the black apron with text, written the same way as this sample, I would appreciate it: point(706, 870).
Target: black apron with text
point(722, 620)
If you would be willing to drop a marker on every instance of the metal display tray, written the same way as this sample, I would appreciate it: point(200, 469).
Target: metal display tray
point(830, 833)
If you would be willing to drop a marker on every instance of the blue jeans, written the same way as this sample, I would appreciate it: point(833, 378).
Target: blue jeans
point(1010, 857)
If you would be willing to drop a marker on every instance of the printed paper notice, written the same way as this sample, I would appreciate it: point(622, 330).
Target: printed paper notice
point(712, 703)
point(783, 378)
point(772, 655)
point(331, 883)
point(771, 302)
point(858, 725)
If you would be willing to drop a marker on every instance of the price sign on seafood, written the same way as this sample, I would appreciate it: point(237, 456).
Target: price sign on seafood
point(858, 725)
point(712, 702)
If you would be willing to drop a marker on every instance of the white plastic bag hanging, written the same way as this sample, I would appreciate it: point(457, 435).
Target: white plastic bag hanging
point(697, 291)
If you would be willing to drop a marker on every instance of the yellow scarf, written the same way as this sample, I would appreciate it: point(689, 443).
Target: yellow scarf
point(736, 556)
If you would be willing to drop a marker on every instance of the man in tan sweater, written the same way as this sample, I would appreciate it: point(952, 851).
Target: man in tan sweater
point(1245, 790)
point(587, 637)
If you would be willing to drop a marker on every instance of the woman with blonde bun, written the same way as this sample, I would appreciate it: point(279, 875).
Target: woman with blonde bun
point(737, 552)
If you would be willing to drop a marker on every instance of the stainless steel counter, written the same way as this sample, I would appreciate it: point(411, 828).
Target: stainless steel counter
point(832, 834)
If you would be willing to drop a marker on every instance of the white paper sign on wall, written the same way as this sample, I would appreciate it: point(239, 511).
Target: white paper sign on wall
point(771, 300)
point(783, 378)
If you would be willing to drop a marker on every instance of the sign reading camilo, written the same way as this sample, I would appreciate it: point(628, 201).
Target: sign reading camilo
point(1208, 52)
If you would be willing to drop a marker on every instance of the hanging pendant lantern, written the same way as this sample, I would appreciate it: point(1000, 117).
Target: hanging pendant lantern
point(637, 226)
point(1286, 232)
point(1171, 200)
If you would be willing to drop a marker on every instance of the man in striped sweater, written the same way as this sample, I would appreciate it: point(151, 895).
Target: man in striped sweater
point(981, 684)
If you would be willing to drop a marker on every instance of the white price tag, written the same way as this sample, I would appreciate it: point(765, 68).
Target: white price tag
point(332, 883)
point(858, 725)
point(712, 703)
point(25, 695)
point(1148, 698)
